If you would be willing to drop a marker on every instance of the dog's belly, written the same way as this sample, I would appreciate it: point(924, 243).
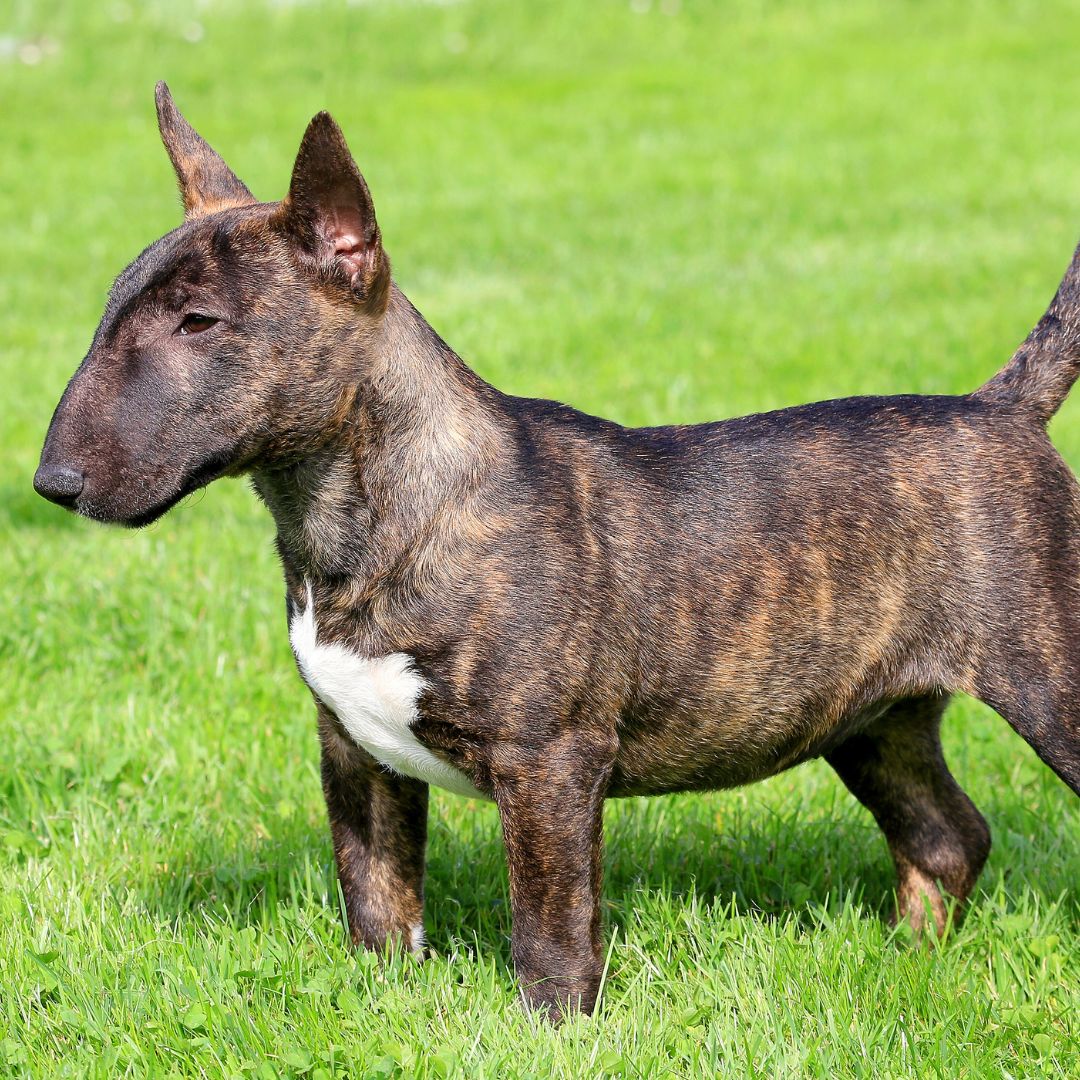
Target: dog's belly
point(374, 699)
point(695, 752)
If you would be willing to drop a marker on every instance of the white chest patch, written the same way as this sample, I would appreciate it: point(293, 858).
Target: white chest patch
point(375, 698)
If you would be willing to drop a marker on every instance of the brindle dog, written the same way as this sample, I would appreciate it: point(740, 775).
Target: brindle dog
point(508, 598)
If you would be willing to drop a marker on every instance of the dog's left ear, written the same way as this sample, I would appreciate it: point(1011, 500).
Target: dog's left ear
point(329, 215)
point(207, 184)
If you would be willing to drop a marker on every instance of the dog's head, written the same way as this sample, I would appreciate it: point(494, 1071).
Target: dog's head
point(224, 345)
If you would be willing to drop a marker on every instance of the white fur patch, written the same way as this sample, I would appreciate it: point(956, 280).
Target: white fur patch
point(375, 698)
point(416, 938)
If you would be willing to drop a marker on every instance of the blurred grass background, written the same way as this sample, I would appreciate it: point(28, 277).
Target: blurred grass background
point(660, 212)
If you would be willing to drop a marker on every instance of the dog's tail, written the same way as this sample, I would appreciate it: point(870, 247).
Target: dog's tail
point(1041, 373)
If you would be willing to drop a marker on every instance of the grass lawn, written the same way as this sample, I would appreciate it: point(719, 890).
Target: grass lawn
point(658, 212)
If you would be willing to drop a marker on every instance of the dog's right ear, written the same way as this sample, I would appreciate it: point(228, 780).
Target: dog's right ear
point(329, 216)
point(207, 184)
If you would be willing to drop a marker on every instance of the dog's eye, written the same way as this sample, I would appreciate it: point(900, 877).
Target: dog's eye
point(195, 323)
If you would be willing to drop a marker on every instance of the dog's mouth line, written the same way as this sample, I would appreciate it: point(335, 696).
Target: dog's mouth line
point(202, 476)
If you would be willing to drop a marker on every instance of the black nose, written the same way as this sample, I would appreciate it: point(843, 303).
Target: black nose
point(59, 484)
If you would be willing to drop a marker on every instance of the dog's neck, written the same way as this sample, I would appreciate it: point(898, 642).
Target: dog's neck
point(397, 471)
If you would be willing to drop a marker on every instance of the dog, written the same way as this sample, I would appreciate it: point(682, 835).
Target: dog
point(514, 601)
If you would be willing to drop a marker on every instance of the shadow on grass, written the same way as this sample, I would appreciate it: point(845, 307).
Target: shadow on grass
point(784, 869)
point(768, 867)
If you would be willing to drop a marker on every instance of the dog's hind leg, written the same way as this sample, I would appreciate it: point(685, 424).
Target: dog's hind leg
point(937, 838)
point(1045, 712)
point(1026, 659)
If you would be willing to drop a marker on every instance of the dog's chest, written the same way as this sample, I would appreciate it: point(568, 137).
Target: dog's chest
point(375, 700)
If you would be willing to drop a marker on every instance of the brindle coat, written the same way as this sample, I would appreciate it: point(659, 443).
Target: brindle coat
point(595, 610)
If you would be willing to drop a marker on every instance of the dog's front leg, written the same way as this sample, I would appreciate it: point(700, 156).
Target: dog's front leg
point(551, 806)
point(378, 822)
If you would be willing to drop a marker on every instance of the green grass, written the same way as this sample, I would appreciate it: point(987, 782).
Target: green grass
point(655, 216)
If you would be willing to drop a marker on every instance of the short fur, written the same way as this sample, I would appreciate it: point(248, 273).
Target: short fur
point(587, 610)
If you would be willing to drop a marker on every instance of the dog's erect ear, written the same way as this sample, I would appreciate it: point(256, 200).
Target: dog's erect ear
point(328, 213)
point(207, 184)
